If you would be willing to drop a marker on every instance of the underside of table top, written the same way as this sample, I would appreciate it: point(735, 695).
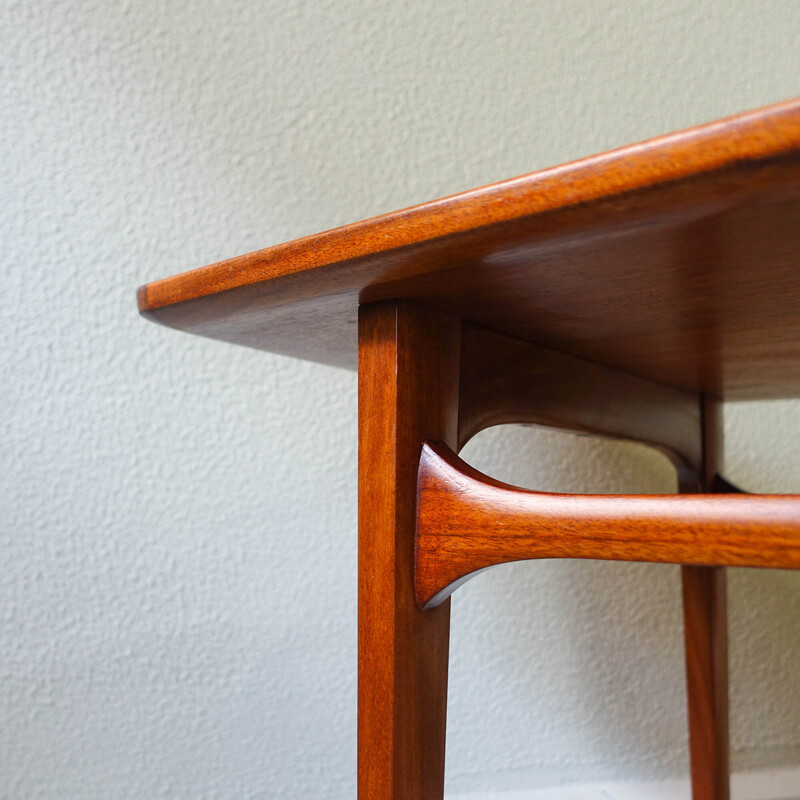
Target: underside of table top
point(677, 260)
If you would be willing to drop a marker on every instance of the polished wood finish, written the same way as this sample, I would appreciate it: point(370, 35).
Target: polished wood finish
point(467, 522)
point(622, 295)
point(675, 260)
point(705, 626)
point(408, 391)
point(507, 380)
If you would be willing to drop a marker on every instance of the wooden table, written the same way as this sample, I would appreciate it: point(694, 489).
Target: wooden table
point(624, 295)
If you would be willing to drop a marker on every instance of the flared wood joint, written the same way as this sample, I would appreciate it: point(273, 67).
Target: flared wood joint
point(467, 522)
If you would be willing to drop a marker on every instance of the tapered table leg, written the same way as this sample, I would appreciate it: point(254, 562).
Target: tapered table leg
point(705, 629)
point(408, 392)
point(705, 622)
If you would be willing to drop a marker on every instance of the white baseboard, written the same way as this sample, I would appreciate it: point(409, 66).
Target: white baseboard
point(778, 784)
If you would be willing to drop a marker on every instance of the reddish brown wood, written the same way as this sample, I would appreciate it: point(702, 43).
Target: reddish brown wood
point(467, 522)
point(408, 391)
point(665, 270)
point(675, 260)
point(506, 380)
point(706, 635)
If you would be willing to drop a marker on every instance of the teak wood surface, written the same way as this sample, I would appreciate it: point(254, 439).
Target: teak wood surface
point(506, 380)
point(407, 391)
point(674, 259)
point(467, 522)
point(624, 295)
point(705, 627)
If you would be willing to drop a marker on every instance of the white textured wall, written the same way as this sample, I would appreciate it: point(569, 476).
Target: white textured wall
point(177, 516)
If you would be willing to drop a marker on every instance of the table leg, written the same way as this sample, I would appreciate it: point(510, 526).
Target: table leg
point(408, 392)
point(705, 630)
point(705, 622)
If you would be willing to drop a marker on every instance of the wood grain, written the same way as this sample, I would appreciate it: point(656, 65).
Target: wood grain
point(467, 522)
point(660, 273)
point(706, 635)
point(675, 260)
point(705, 626)
point(408, 391)
point(506, 380)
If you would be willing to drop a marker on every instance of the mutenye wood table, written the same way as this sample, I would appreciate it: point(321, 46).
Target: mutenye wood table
point(625, 295)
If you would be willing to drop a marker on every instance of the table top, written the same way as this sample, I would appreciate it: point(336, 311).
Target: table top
point(677, 259)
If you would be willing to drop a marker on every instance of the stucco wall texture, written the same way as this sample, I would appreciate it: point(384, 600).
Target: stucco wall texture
point(177, 516)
